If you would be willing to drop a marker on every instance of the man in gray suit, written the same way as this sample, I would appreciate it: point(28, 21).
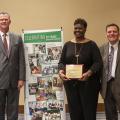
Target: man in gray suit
point(110, 80)
point(12, 69)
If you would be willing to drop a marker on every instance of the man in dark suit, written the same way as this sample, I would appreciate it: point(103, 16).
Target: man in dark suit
point(110, 80)
point(12, 69)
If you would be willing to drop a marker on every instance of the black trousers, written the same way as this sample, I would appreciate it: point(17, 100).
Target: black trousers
point(110, 104)
point(82, 99)
point(9, 100)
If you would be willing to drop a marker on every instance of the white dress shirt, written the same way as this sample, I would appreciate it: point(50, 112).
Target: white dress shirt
point(115, 46)
point(7, 38)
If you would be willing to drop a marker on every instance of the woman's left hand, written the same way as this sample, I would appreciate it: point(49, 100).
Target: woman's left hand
point(86, 75)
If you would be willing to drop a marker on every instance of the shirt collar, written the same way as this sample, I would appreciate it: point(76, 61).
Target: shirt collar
point(115, 45)
point(1, 33)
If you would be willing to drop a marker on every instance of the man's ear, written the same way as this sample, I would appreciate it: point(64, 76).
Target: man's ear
point(9, 22)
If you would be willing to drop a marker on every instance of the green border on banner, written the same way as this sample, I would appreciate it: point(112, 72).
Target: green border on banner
point(39, 37)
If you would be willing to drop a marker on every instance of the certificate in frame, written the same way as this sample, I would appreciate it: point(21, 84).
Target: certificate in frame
point(74, 71)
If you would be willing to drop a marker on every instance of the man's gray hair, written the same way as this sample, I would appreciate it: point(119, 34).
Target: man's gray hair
point(4, 13)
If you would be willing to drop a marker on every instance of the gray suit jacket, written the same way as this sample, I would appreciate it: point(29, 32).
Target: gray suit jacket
point(116, 83)
point(12, 68)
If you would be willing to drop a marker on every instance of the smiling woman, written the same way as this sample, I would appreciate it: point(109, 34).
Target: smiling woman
point(82, 93)
point(80, 26)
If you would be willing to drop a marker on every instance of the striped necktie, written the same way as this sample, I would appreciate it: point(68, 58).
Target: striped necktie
point(5, 43)
point(110, 61)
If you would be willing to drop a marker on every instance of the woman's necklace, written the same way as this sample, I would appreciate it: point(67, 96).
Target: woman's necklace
point(77, 53)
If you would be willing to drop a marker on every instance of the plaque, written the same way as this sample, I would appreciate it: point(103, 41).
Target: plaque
point(74, 71)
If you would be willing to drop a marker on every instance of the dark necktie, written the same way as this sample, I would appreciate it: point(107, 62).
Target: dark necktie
point(110, 61)
point(5, 43)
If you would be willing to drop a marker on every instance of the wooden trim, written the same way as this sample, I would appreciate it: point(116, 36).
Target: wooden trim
point(21, 109)
point(100, 108)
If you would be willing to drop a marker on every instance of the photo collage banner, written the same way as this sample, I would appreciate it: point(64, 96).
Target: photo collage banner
point(44, 92)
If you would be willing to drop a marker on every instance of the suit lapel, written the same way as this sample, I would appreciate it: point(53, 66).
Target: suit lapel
point(11, 38)
point(118, 54)
point(106, 53)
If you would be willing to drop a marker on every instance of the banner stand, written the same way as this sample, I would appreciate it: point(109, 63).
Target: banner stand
point(44, 92)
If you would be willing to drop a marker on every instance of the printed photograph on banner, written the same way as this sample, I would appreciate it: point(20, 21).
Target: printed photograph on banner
point(41, 82)
point(43, 59)
point(44, 82)
point(33, 88)
point(41, 106)
point(41, 94)
point(51, 115)
point(50, 110)
point(45, 94)
point(49, 69)
point(57, 83)
point(29, 48)
point(32, 106)
point(39, 48)
point(51, 94)
point(54, 50)
point(37, 116)
point(34, 65)
point(59, 95)
point(35, 110)
point(32, 79)
point(55, 105)
point(31, 98)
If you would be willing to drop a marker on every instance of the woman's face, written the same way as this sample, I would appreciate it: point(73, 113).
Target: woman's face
point(79, 31)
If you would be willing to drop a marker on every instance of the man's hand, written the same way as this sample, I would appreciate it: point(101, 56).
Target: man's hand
point(20, 84)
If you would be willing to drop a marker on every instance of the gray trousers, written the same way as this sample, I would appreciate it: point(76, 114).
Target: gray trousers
point(9, 100)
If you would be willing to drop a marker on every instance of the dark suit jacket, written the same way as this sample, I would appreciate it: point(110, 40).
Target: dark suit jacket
point(115, 83)
point(12, 68)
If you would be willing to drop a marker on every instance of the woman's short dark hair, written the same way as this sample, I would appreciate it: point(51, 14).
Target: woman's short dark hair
point(80, 21)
